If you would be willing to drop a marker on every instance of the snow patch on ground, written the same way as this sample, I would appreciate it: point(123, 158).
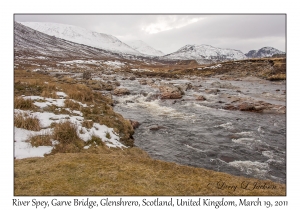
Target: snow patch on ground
point(24, 149)
point(211, 67)
point(114, 64)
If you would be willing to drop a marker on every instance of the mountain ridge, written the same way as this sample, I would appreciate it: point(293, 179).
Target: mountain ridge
point(203, 54)
point(82, 36)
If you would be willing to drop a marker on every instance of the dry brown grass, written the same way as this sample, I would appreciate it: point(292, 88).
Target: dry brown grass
point(66, 134)
point(30, 83)
point(78, 92)
point(277, 77)
point(88, 124)
point(72, 105)
point(49, 94)
point(68, 80)
point(124, 172)
point(21, 103)
point(95, 140)
point(27, 122)
point(40, 140)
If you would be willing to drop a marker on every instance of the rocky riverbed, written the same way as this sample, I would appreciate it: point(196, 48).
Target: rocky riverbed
point(235, 126)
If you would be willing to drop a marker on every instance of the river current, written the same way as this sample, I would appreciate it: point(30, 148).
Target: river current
point(197, 134)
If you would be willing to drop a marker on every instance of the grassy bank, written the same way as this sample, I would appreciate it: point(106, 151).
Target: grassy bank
point(103, 171)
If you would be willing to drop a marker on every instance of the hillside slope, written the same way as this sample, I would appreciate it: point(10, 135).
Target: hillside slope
point(144, 48)
point(29, 42)
point(82, 36)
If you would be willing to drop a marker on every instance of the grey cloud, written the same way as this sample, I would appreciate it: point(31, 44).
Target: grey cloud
point(241, 32)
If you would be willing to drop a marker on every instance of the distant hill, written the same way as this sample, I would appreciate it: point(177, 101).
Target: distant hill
point(205, 54)
point(264, 52)
point(144, 48)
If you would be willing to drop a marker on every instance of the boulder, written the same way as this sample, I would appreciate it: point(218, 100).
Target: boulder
point(259, 107)
point(200, 98)
point(135, 124)
point(121, 91)
point(143, 82)
point(230, 107)
point(152, 97)
point(117, 83)
point(212, 91)
point(186, 86)
point(156, 127)
point(245, 106)
point(227, 158)
point(222, 85)
point(170, 92)
point(146, 81)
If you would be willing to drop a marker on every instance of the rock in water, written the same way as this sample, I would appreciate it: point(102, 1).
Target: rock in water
point(170, 92)
point(156, 127)
point(121, 91)
point(135, 124)
point(200, 98)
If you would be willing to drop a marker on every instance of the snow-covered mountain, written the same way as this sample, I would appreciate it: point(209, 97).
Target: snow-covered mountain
point(82, 36)
point(31, 43)
point(144, 48)
point(263, 52)
point(205, 54)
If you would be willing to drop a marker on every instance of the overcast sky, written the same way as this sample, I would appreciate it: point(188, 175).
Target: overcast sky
point(168, 33)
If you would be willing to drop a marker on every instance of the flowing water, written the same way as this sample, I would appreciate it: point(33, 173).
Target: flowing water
point(197, 134)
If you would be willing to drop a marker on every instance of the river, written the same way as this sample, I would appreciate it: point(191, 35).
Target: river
point(202, 134)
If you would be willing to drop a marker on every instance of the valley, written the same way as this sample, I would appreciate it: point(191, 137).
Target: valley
point(165, 120)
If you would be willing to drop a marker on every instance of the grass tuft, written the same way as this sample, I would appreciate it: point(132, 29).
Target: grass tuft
point(88, 124)
point(95, 140)
point(66, 134)
point(79, 92)
point(48, 94)
point(26, 122)
point(107, 135)
point(21, 103)
point(40, 140)
point(72, 105)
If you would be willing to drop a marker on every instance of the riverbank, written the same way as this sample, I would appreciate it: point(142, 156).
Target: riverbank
point(128, 172)
point(108, 163)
